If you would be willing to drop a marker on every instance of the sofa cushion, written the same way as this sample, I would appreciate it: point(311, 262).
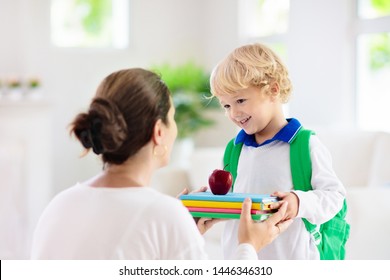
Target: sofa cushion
point(379, 175)
point(352, 154)
point(368, 215)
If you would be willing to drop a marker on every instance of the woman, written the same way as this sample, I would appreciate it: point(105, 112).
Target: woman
point(115, 215)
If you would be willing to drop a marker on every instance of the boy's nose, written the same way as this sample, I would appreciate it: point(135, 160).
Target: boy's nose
point(234, 113)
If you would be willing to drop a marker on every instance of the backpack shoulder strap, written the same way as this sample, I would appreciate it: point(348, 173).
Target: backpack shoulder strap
point(300, 164)
point(300, 160)
point(230, 158)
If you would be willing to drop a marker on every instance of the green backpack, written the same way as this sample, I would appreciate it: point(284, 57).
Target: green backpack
point(330, 237)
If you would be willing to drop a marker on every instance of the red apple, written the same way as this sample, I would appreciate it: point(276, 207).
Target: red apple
point(220, 181)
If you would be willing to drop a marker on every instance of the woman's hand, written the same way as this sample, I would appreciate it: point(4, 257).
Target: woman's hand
point(185, 191)
point(260, 234)
point(203, 224)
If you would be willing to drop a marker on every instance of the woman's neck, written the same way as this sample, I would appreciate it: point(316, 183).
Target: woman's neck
point(132, 173)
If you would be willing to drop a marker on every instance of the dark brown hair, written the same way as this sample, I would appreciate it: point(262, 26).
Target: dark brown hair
point(122, 114)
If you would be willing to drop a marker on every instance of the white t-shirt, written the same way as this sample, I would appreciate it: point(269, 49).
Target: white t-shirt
point(266, 169)
point(86, 222)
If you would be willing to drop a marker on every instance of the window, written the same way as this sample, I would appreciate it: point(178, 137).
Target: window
point(261, 18)
point(369, 9)
point(90, 23)
point(373, 64)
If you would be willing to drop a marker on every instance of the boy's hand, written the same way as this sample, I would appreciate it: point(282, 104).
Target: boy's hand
point(293, 203)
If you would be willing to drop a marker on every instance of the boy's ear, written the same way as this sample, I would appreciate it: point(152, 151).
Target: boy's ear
point(274, 88)
point(158, 132)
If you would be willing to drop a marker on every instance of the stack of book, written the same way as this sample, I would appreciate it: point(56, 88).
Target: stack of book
point(228, 206)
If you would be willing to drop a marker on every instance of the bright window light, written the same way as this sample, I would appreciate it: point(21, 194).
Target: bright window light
point(90, 23)
point(373, 72)
point(373, 64)
point(259, 18)
point(369, 9)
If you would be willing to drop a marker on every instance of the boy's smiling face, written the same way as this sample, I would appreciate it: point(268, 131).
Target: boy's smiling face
point(255, 111)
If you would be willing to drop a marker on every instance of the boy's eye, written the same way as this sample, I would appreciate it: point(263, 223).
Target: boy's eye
point(239, 101)
point(226, 106)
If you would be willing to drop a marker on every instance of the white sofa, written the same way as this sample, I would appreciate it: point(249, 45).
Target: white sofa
point(362, 161)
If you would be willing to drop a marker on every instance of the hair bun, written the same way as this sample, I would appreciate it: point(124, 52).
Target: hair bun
point(103, 128)
point(108, 126)
point(85, 138)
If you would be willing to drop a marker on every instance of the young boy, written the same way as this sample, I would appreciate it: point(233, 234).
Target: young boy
point(251, 84)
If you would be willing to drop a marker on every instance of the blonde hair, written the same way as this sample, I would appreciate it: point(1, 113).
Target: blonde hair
point(250, 65)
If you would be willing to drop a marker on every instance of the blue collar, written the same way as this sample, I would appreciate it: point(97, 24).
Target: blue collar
point(286, 134)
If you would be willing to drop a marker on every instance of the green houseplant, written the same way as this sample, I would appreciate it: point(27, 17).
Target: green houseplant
point(189, 85)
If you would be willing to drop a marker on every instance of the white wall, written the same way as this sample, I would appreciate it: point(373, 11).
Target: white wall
point(175, 30)
point(320, 59)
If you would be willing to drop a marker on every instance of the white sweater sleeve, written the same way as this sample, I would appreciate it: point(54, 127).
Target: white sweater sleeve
point(326, 199)
point(246, 251)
